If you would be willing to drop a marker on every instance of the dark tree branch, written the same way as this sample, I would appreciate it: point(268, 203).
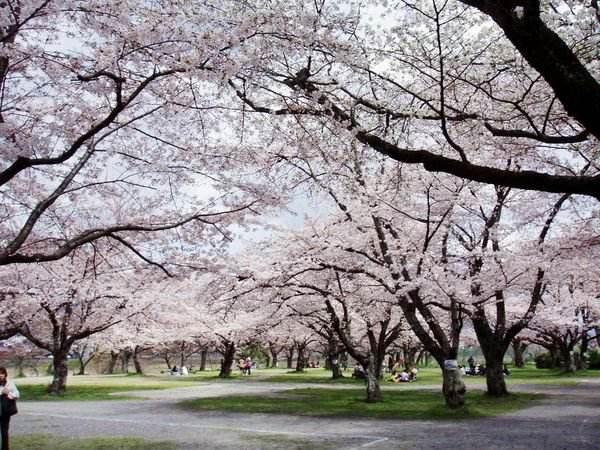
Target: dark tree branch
point(580, 137)
point(547, 53)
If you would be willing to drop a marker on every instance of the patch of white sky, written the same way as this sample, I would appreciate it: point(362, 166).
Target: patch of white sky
point(301, 210)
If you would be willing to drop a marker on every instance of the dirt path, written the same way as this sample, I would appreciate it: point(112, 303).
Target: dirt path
point(569, 418)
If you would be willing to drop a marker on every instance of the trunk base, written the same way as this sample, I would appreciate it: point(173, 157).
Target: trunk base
point(454, 389)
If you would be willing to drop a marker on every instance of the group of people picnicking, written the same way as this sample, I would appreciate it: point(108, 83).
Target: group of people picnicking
point(474, 368)
point(183, 370)
point(398, 372)
point(401, 373)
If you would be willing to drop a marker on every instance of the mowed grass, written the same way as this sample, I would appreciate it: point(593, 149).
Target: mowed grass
point(111, 387)
point(426, 376)
point(531, 375)
point(396, 404)
point(47, 442)
point(101, 387)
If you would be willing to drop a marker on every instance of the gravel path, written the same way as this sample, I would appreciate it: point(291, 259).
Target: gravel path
point(569, 418)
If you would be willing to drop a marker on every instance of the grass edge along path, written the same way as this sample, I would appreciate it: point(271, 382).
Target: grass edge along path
point(88, 392)
point(48, 442)
point(323, 402)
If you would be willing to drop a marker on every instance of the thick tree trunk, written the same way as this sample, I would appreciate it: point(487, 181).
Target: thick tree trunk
point(290, 358)
point(582, 360)
point(274, 361)
point(493, 352)
point(373, 389)
point(410, 356)
point(332, 362)
point(554, 356)
point(203, 356)
point(125, 357)
point(60, 373)
point(227, 361)
point(519, 348)
point(567, 360)
point(114, 357)
point(300, 360)
point(453, 388)
point(20, 367)
point(81, 365)
point(494, 345)
point(136, 360)
point(182, 353)
point(274, 354)
point(494, 377)
point(343, 360)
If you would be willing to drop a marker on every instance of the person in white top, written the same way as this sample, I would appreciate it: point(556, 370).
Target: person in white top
point(8, 391)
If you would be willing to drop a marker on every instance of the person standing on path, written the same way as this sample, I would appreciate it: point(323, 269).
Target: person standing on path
point(8, 391)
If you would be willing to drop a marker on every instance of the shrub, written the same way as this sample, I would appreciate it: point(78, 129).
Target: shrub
point(594, 359)
point(545, 361)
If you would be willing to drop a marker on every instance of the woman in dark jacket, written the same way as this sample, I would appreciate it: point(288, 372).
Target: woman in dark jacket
point(8, 391)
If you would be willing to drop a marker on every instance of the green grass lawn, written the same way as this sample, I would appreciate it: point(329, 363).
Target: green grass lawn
point(397, 404)
point(530, 374)
point(47, 442)
point(100, 387)
point(427, 375)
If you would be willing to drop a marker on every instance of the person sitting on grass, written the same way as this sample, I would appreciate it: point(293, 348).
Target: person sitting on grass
point(402, 377)
point(413, 373)
point(480, 369)
point(397, 367)
point(359, 372)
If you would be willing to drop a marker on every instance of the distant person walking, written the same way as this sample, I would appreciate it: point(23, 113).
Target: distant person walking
point(8, 394)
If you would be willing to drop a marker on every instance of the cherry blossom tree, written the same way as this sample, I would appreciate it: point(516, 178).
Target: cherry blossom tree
point(319, 321)
point(23, 353)
point(361, 318)
point(94, 97)
point(232, 316)
point(519, 346)
point(507, 261)
point(570, 308)
point(64, 302)
point(85, 351)
point(439, 85)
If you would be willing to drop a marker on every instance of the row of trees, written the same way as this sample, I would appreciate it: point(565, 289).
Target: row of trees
point(456, 143)
point(309, 308)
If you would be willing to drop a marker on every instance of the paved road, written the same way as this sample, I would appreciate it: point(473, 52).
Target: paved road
point(569, 418)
